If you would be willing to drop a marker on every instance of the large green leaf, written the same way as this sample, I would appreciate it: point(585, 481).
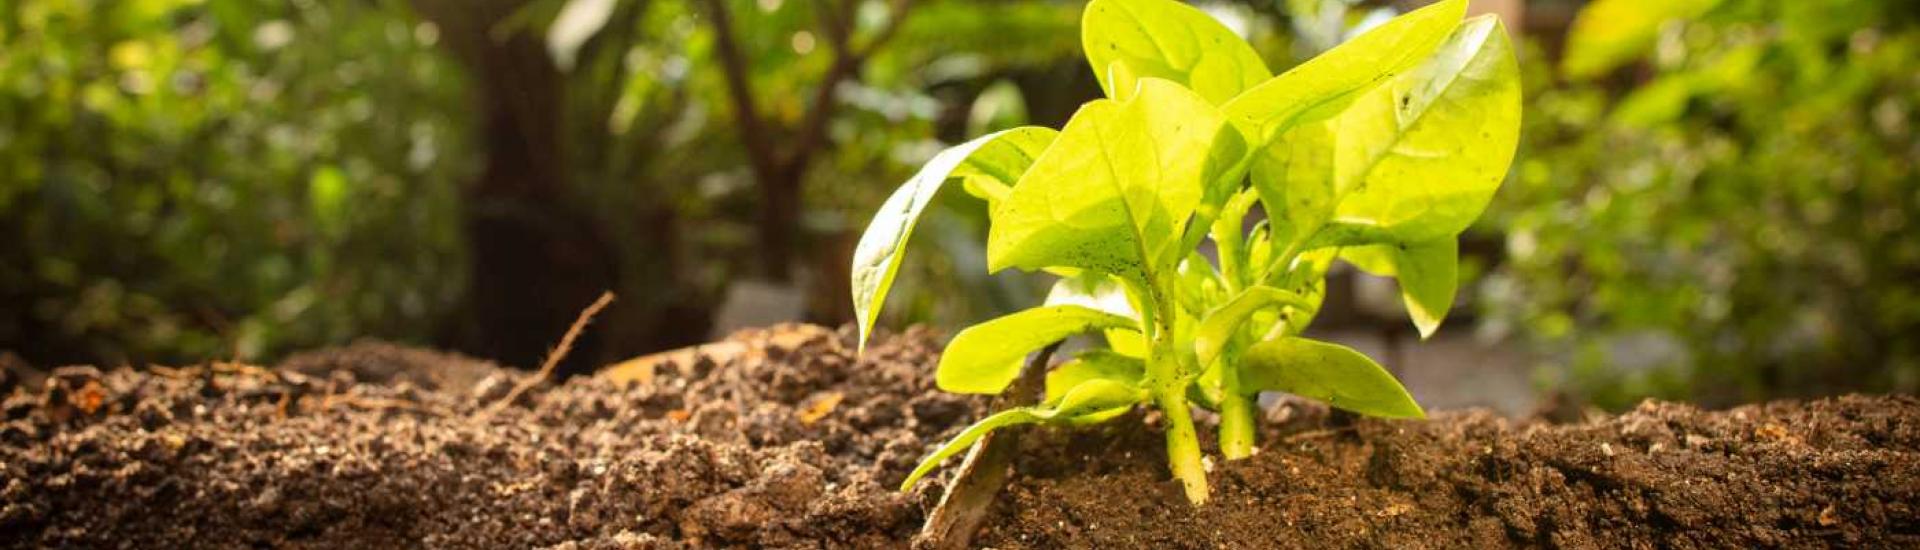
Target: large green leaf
point(1422, 155)
point(1115, 190)
point(1608, 33)
point(1328, 372)
point(1092, 397)
point(993, 159)
point(1428, 274)
point(986, 357)
point(1413, 160)
point(1327, 80)
point(1127, 40)
point(1223, 322)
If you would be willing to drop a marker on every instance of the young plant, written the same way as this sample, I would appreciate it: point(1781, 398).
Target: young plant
point(1378, 152)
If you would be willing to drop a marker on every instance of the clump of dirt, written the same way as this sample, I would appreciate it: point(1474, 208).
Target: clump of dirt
point(782, 437)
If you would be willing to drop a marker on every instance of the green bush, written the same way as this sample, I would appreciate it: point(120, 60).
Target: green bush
point(1734, 225)
point(191, 179)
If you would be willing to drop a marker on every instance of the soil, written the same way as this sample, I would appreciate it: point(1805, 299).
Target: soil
point(782, 437)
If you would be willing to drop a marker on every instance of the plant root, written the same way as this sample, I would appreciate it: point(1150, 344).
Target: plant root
point(953, 522)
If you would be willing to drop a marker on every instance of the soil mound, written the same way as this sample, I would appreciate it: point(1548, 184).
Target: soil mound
point(782, 437)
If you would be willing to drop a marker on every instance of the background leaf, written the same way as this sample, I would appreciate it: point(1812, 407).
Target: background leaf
point(1608, 33)
point(578, 21)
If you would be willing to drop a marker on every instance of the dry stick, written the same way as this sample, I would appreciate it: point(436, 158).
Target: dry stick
point(958, 516)
point(553, 358)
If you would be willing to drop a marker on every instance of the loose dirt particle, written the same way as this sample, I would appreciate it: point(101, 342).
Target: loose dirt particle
point(820, 407)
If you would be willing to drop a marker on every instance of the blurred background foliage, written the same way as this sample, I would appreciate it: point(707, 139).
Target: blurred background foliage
point(1709, 203)
point(208, 179)
point(1714, 200)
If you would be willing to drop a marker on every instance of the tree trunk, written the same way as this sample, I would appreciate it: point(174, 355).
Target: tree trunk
point(779, 223)
point(537, 258)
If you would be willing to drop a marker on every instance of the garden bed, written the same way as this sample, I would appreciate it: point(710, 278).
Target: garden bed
point(782, 437)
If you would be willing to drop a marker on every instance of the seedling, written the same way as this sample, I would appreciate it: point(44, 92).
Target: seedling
point(1378, 152)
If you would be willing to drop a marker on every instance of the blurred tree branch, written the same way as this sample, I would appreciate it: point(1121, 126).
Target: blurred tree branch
point(780, 174)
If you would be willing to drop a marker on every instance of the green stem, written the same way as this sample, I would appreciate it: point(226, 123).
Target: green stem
point(1238, 406)
point(1183, 444)
point(1168, 375)
point(1236, 415)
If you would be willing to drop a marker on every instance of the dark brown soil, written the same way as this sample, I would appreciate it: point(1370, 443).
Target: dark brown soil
point(782, 438)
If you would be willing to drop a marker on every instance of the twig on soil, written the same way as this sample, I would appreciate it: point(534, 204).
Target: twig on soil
point(553, 358)
point(954, 521)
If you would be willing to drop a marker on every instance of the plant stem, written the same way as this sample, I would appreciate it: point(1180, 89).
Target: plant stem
point(1236, 415)
point(1238, 406)
point(1183, 444)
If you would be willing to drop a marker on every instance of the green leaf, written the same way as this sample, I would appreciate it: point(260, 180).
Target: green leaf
point(1115, 190)
point(990, 172)
point(1608, 33)
point(1413, 160)
point(1374, 259)
point(1260, 245)
point(1126, 40)
point(1093, 397)
point(1333, 373)
point(1332, 77)
point(1127, 342)
point(1002, 157)
point(1421, 156)
point(1223, 322)
point(986, 357)
point(1093, 364)
point(1199, 282)
point(1428, 275)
